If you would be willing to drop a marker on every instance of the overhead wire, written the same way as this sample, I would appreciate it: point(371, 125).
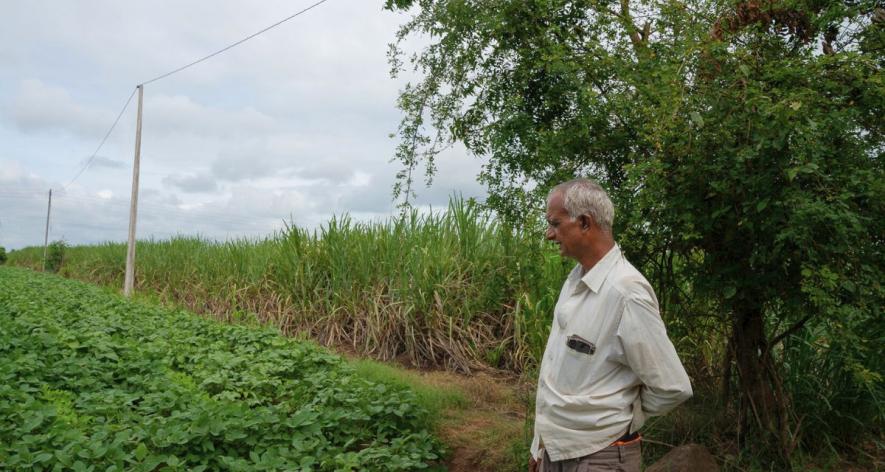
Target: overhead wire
point(175, 71)
point(163, 76)
point(103, 140)
point(206, 215)
point(22, 193)
point(171, 212)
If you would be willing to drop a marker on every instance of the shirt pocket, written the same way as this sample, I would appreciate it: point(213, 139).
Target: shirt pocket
point(576, 367)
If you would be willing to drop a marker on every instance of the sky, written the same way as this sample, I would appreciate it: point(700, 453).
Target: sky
point(291, 126)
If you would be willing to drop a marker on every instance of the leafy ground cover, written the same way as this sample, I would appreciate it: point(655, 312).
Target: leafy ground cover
point(90, 381)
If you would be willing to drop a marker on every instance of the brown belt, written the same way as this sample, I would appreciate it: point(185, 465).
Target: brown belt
point(627, 439)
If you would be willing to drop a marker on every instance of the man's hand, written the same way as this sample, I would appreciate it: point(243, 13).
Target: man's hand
point(533, 464)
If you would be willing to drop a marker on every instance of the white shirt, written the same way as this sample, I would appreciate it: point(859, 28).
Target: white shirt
point(586, 400)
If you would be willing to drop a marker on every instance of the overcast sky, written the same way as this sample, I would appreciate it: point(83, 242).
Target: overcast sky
point(293, 124)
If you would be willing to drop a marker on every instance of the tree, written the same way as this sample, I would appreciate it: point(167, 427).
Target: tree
point(741, 140)
point(2, 255)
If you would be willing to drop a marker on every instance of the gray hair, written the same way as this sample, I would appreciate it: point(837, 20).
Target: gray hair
point(586, 197)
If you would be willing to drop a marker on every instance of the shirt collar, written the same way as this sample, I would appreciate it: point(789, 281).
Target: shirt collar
point(597, 274)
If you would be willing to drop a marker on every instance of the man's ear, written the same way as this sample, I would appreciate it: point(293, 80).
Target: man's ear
point(585, 221)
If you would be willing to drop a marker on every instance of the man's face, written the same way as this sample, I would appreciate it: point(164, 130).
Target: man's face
point(562, 229)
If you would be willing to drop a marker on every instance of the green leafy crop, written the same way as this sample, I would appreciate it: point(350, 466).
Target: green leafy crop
point(90, 381)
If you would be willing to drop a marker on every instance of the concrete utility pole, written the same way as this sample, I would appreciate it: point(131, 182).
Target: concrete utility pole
point(46, 234)
point(129, 283)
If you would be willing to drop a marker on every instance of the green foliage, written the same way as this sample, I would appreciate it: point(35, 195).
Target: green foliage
point(2, 255)
point(435, 399)
point(367, 284)
point(89, 381)
point(55, 256)
point(767, 181)
point(834, 371)
point(741, 141)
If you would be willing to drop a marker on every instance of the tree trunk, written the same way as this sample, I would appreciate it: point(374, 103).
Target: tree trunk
point(763, 408)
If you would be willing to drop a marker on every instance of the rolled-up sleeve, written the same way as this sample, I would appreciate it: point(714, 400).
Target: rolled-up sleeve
point(651, 356)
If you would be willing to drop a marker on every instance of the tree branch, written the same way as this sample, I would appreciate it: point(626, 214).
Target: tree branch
point(635, 35)
point(791, 330)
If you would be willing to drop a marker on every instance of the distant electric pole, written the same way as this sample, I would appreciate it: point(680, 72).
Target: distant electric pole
point(46, 234)
point(129, 283)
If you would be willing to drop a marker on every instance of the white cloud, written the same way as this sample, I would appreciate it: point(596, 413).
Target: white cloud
point(165, 115)
point(293, 123)
point(11, 172)
point(105, 162)
point(42, 107)
point(243, 166)
point(191, 183)
point(360, 179)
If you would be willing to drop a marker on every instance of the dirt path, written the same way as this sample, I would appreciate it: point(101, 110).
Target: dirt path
point(481, 417)
point(489, 432)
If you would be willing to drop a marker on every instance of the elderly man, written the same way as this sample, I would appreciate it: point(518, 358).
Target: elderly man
point(608, 363)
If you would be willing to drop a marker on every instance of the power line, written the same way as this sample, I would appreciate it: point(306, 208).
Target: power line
point(91, 158)
point(22, 193)
point(206, 215)
point(163, 76)
point(128, 100)
point(139, 87)
point(201, 215)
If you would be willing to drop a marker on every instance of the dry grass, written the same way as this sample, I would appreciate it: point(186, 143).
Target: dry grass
point(481, 418)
